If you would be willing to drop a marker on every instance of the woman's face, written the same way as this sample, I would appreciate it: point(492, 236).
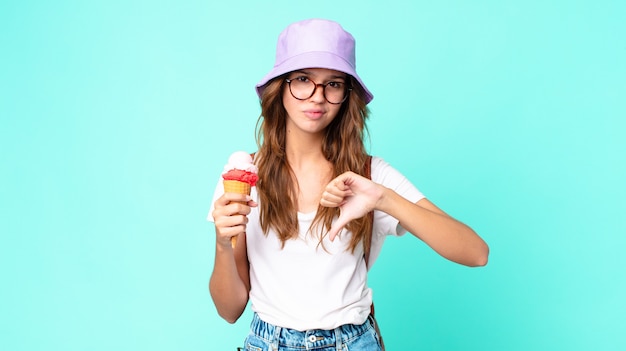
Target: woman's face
point(313, 113)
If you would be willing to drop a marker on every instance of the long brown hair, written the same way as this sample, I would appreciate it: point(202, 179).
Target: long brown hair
point(343, 146)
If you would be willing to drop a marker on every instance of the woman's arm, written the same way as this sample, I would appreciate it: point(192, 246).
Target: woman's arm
point(444, 234)
point(356, 196)
point(230, 281)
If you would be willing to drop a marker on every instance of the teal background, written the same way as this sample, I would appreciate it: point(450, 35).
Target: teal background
point(117, 116)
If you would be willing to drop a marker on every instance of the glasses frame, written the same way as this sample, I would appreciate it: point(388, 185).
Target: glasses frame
point(347, 91)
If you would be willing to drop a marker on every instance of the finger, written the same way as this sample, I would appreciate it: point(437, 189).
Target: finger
point(235, 197)
point(230, 226)
point(229, 232)
point(226, 239)
point(229, 213)
point(335, 193)
point(222, 204)
point(334, 231)
point(337, 186)
point(230, 220)
point(339, 224)
point(331, 200)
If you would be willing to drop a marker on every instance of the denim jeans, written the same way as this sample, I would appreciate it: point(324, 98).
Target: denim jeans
point(349, 337)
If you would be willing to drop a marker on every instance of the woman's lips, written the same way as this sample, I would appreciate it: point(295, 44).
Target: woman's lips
point(313, 114)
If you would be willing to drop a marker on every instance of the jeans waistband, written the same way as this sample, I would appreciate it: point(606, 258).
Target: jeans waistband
point(308, 339)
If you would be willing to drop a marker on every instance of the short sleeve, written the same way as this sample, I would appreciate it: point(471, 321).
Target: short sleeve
point(219, 191)
point(384, 224)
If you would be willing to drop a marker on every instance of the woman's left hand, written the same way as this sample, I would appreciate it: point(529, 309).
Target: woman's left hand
point(354, 195)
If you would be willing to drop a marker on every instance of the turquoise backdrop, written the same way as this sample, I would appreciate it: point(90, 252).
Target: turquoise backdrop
point(117, 116)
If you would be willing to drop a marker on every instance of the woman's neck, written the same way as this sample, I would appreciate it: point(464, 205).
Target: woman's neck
point(304, 149)
point(311, 173)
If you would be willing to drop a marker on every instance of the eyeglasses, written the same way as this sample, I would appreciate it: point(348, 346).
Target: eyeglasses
point(303, 88)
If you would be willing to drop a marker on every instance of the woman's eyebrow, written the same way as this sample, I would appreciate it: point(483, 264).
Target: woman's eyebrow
point(334, 76)
point(339, 77)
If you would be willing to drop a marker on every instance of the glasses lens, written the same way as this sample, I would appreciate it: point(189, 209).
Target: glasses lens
point(301, 89)
point(335, 92)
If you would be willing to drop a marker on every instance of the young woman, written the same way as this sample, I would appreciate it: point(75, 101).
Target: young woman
point(300, 254)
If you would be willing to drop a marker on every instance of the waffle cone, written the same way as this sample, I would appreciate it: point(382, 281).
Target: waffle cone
point(235, 186)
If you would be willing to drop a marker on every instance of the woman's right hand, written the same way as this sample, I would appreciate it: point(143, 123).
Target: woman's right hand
point(230, 281)
point(230, 216)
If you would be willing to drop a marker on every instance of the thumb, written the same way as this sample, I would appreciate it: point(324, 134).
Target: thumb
point(339, 224)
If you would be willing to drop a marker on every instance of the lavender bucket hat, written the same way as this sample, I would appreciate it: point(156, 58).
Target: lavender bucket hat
point(314, 43)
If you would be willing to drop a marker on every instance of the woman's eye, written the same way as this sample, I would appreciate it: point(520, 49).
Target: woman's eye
point(336, 85)
point(302, 79)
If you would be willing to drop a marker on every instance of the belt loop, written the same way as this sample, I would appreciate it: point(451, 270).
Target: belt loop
point(338, 339)
point(276, 338)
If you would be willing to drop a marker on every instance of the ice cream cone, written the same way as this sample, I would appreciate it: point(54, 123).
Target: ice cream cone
point(235, 186)
point(240, 175)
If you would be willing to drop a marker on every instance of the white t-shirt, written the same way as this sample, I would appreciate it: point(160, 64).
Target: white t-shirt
point(306, 286)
